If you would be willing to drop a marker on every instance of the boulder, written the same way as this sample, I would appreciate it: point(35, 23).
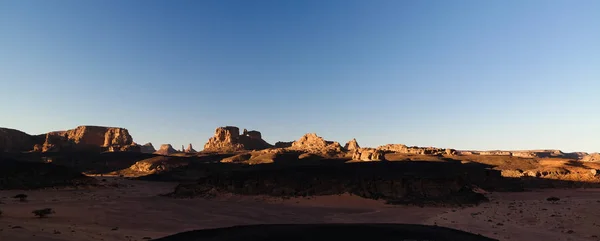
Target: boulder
point(147, 148)
point(165, 150)
point(190, 149)
point(228, 139)
point(351, 145)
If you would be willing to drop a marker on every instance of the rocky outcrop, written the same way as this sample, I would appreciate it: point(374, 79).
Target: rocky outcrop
point(190, 149)
point(228, 139)
point(283, 144)
point(147, 148)
point(15, 141)
point(403, 149)
point(89, 138)
point(165, 150)
point(594, 157)
point(368, 154)
point(351, 145)
point(312, 143)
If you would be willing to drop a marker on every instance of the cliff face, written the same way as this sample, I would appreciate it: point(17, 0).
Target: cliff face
point(228, 139)
point(89, 138)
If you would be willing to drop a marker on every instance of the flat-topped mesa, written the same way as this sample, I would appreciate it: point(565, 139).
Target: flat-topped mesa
point(89, 138)
point(190, 149)
point(165, 150)
point(403, 149)
point(147, 148)
point(351, 145)
point(228, 139)
point(312, 143)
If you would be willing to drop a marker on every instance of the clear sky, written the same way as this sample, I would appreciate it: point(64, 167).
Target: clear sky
point(465, 74)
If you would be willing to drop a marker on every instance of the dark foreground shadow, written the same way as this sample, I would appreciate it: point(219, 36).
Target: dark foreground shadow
point(328, 232)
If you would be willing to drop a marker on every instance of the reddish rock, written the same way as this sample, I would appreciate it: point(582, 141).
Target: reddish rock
point(228, 139)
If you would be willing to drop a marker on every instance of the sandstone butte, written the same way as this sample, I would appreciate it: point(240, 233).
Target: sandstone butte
point(147, 148)
point(228, 139)
point(166, 149)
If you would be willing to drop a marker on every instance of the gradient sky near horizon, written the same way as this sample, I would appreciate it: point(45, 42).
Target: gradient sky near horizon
point(464, 74)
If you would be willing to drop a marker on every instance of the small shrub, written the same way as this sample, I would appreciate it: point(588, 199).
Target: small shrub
point(42, 213)
point(22, 197)
point(552, 199)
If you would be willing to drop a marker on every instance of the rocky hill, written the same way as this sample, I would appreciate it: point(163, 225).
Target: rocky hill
point(147, 148)
point(16, 141)
point(228, 139)
point(166, 149)
point(190, 149)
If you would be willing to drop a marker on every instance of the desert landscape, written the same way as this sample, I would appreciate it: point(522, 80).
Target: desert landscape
point(98, 184)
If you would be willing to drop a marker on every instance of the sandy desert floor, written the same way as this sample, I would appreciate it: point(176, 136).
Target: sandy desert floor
point(134, 211)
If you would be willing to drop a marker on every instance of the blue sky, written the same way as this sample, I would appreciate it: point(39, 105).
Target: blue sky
point(464, 74)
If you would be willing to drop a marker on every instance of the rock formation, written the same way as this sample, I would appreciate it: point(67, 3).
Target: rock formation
point(368, 154)
point(15, 141)
point(283, 144)
point(593, 157)
point(88, 138)
point(165, 150)
point(312, 143)
point(351, 145)
point(147, 148)
point(190, 149)
point(403, 149)
point(228, 139)
point(527, 154)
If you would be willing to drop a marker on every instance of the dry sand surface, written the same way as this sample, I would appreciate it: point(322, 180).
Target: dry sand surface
point(135, 212)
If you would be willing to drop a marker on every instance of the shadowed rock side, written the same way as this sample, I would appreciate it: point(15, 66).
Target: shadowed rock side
point(166, 149)
point(228, 139)
point(16, 141)
point(31, 175)
point(147, 148)
point(317, 232)
point(397, 182)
